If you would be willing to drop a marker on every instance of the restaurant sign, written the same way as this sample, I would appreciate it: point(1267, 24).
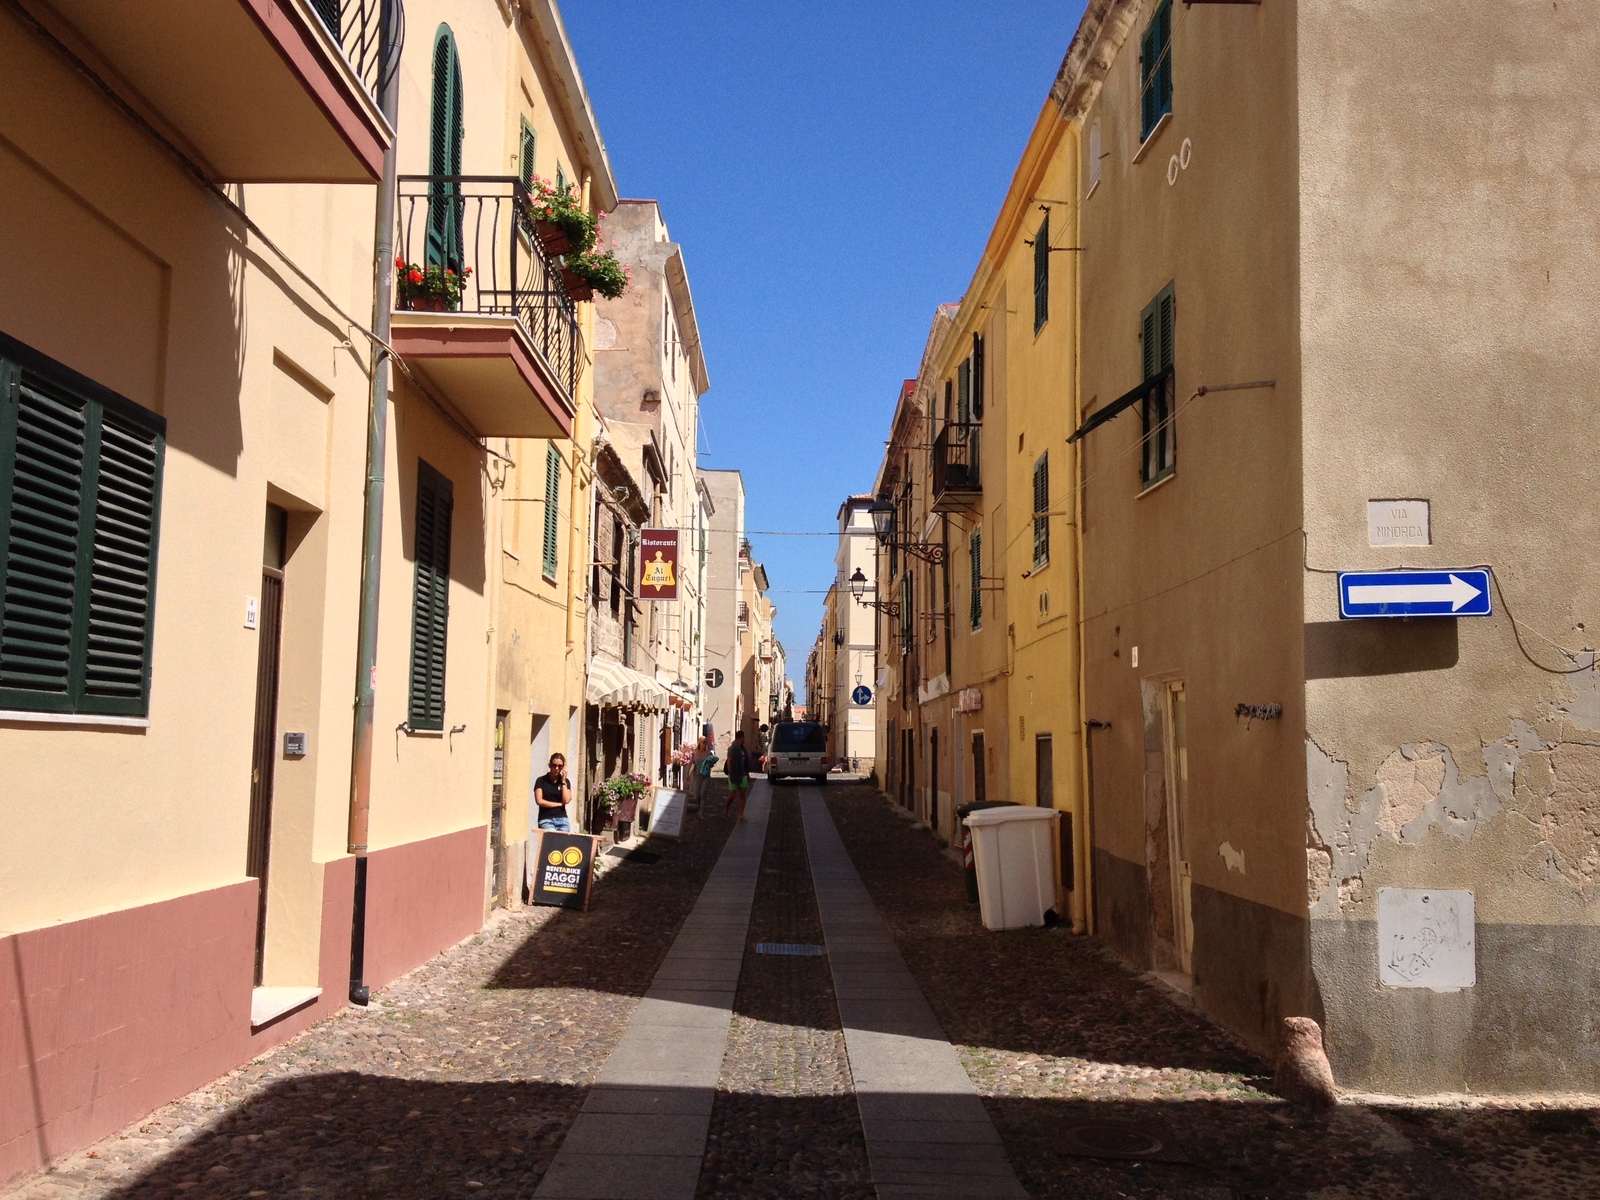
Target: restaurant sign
point(658, 564)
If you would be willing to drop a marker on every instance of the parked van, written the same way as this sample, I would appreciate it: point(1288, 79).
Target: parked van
point(799, 749)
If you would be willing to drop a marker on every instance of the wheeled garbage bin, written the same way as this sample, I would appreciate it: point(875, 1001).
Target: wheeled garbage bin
point(1014, 851)
point(962, 812)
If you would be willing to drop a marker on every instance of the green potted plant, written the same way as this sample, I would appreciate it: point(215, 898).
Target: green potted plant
point(432, 288)
point(595, 271)
point(617, 800)
point(559, 221)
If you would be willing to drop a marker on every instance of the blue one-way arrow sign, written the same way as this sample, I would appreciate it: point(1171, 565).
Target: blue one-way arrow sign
point(1463, 592)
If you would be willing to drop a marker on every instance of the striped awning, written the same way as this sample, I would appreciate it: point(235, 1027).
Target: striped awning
point(612, 685)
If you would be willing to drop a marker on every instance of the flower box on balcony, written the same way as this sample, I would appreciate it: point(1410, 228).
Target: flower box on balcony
point(553, 239)
point(577, 286)
point(427, 304)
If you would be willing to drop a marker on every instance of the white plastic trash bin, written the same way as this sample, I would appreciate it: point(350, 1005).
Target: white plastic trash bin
point(1014, 851)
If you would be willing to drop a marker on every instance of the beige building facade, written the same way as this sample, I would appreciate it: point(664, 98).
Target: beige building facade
point(186, 340)
point(1319, 309)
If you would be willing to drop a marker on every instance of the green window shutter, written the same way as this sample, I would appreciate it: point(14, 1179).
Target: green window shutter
point(1041, 274)
point(964, 392)
point(80, 488)
point(526, 154)
point(430, 597)
point(446, 130)
point(552, 508)
point(1155, 69)
point(977, 377)
point(1041, 505)
point(1158, 347)
point(975, 556)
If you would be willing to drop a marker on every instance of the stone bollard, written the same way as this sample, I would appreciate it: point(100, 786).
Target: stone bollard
point(1303, 1076)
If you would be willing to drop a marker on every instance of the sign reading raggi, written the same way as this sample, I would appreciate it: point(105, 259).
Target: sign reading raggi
point(658, 564)
point(563, 869)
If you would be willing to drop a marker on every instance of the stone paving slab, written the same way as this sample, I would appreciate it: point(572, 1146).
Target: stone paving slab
point(895, 1044)
point(641, 1134)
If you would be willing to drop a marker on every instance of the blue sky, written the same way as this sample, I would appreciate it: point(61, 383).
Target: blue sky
point(832, 171)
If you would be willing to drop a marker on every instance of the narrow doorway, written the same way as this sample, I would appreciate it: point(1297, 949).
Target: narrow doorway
point(1176, 715)
point(980, 782)
point(933, 779)
point(497, 815)
point(269, 642)
point(1044, 790)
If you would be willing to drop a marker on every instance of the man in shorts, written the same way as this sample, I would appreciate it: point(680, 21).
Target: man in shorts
point(738, 775)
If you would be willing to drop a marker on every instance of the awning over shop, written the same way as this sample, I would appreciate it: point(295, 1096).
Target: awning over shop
point(612, 685)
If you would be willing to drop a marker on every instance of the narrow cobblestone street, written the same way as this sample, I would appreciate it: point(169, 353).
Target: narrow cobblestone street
point(464, 1078)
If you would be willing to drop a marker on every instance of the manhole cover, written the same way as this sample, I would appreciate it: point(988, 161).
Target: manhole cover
point(802, 949)
point(1117, 1139)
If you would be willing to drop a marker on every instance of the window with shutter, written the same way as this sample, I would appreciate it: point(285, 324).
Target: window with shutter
point(80, 499)
point(964, 393)
point(1157, 338)
point(1041, 506)
point(975, 557)
point(527, 154)
point(552, 510)
point(446, 211)
point(1041, 274)
point(977, 377)
point(430, 597)
point(1155, 69)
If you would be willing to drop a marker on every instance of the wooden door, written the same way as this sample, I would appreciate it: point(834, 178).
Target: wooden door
point(264, 749)
point(1177, 739)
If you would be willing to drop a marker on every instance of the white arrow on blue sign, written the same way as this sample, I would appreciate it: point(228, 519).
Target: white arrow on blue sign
point(862, 695)
point(1462, 592)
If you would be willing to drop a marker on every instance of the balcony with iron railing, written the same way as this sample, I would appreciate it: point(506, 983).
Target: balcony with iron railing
point(490, 323)
point(268, 91)
point(957, 482)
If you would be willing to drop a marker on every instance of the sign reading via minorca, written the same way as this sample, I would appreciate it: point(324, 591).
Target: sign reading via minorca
point(1458, 592)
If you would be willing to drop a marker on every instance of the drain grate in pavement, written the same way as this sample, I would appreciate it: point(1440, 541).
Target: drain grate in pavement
point(802, 949)
point(645, 857)
point(1150, 1141)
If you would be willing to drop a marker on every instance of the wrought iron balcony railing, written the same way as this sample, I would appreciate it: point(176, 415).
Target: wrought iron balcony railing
point(358, 27)
point(956, 461)
point(480, 227)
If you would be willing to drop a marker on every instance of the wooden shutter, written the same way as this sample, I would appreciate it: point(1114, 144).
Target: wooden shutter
point(975, 556)
point(80, 486)
point(446, 130)
point(1041, 274)
point(1041, 505)
point(552, 508)
point(430, 597)
point(1158, 345)
point(964, 392)
point(977, 377)
point(526, 154)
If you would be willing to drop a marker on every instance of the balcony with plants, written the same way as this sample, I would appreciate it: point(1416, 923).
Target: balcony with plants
point(488, 274)
point(265, 91)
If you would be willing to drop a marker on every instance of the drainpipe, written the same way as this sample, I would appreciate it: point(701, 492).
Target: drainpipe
point(1083, 844)
point(372, 528)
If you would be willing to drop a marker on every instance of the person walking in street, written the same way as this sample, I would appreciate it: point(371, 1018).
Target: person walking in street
point(738, 775)
point(553, 792)
point(700, 773)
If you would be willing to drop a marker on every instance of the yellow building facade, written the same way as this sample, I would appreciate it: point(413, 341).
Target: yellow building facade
point(186, 355)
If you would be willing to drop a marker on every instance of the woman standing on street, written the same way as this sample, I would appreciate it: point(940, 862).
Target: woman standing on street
point(738, 775)
point(697, 787)
point(553, 791)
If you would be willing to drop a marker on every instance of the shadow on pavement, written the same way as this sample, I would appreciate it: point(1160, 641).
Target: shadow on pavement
point(350, 1136)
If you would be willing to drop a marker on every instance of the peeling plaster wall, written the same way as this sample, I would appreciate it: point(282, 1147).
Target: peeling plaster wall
point(1449, 277)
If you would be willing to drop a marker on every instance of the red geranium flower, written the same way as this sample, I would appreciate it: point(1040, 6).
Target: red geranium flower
point(415, 276)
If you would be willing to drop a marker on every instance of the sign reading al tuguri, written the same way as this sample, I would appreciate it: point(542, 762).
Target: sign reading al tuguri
point(658, 564)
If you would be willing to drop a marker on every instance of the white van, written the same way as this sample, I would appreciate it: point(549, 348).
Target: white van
point(799, 750)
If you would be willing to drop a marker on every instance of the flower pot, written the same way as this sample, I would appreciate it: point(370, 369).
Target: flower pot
point(552, 238)
point(577, 286)
point(425, 304)
point(628, 809)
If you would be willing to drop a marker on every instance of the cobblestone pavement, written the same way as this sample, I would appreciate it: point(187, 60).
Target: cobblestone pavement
point(1057, 1034)
point(464, 1077)
point(460, 1080)
point(785, 1122)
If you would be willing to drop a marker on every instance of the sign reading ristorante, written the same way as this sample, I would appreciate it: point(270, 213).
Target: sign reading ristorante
point(658, 564)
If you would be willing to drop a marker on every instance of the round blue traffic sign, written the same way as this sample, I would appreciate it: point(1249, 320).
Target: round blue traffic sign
point(862, 695)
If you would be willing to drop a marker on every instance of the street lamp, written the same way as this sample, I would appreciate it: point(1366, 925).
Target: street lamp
point(882, 512)
point(858, 588)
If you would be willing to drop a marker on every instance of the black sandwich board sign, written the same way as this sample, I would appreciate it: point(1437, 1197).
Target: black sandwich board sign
point(563, 869)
